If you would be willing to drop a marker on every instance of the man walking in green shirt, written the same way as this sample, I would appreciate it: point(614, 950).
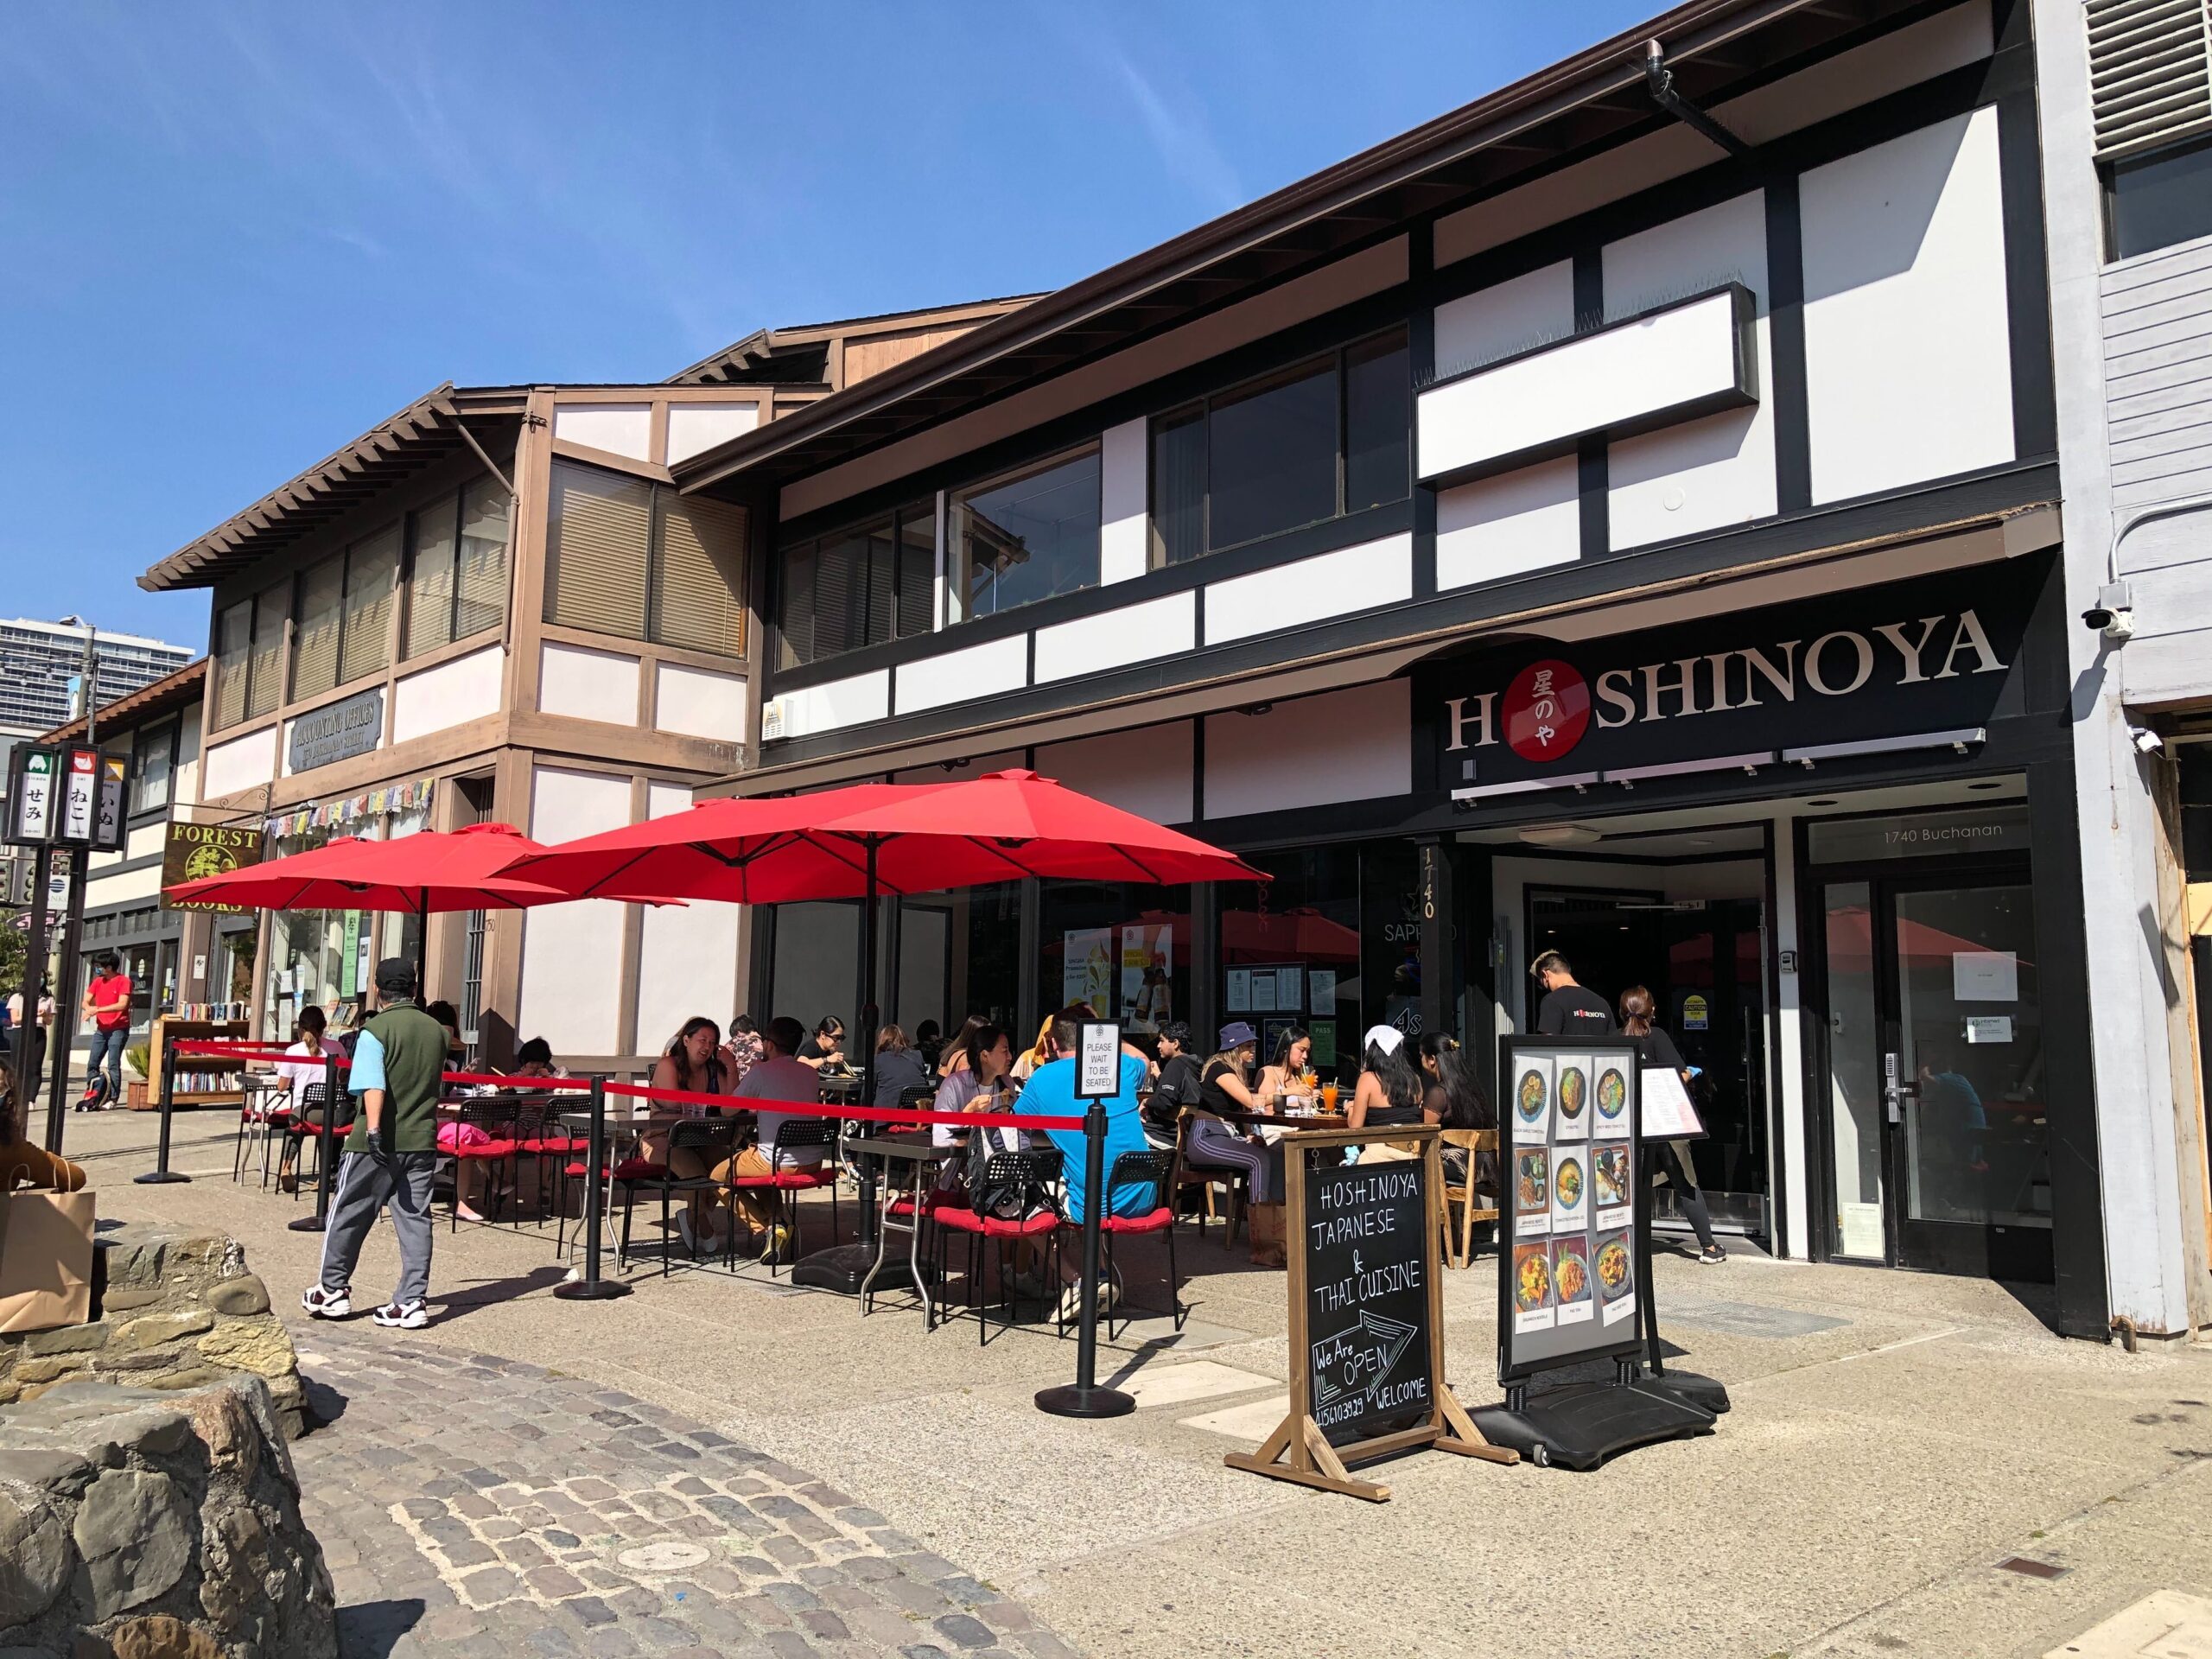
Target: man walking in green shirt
point(392, 1153)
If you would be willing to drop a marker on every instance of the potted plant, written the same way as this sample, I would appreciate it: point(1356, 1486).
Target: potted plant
point(138, 1060)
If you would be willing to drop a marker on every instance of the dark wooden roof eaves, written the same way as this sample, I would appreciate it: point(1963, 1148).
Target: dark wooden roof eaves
point(744, 361)
point(1593, 100)
point(135, 709)
point(424, 432)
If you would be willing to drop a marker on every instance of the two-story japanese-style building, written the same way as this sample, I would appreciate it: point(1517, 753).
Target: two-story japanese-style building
point(494, 605)
point(1621, 516)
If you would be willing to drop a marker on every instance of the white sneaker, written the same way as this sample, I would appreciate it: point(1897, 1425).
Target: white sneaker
point(402, 1316)
point(685, 1229)
point(320, 1304)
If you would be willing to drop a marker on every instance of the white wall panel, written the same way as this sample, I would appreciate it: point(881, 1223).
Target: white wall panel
point(461, 689)
point(242, 763)
point(1147, 771)
point(1503, 526)
point(1636, 371)
point(695, 428)
point(1309, 590)
point(1908, 358)
point(1507, 317)
point(585, 684)
point(1124, 461)
point(1135, 633)
point(699, 703)
point(1354, 745)
point(572, 953)
point(980, 670)
point(687, 957)
point(1706, 474)
point(835, 703)
point(618, 429)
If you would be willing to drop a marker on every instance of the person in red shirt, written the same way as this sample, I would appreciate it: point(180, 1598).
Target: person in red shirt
point(107, 1006)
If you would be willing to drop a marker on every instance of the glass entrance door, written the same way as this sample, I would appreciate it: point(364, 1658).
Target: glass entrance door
point(1939, 1139)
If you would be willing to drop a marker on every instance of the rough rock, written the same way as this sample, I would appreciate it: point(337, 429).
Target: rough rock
point(142, 1525)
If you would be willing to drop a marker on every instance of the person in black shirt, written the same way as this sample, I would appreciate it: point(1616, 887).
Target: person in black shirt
point(1567, 1010)
point(825, 1050)
point(1655, 1050)
point(1176, 1085)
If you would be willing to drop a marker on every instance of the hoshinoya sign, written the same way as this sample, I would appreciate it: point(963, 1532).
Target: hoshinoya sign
point(337, 733)
point(193, 850)
point(1940, 653)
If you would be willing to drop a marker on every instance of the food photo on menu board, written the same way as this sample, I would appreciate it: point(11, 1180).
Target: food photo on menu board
point(1532, 1191)
point(1610, 1188)
point(1570, 1191)
point(1532, 1102)
point(1571, 1281)
point(1532, 1288)
point(1571, 1098)
point(1615, 1266)
point(1612, 1121)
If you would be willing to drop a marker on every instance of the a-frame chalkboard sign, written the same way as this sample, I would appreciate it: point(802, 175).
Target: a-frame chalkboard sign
point(1366, 1316)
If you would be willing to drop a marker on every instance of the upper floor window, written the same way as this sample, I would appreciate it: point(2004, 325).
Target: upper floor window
point(153, 765)
point(858, 587)
point(345, 615)
point(1329, 436)
point(1026, 536)
point(457, 567)
point(2159, 200)
point(627, 556)
point(250, 657)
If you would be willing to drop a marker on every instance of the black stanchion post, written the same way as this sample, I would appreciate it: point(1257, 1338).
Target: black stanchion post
point(1085, 1398)
point(591, 1287)
point(327, 1161)
point(161, 1175)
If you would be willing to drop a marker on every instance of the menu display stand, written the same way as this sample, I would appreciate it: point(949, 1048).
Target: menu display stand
point(1366, 1317)
point(1577, 1228)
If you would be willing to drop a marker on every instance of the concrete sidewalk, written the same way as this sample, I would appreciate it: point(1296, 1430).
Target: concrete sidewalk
point(1895, 1437)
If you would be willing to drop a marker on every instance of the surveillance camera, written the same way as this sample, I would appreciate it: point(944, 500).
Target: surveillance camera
point(2116, 625)
point(2146, 741)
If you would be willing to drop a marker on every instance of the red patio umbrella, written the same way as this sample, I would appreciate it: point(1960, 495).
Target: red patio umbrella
point(423, 874)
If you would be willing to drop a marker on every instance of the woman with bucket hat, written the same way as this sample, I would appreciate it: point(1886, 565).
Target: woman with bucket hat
point(1226, 1085)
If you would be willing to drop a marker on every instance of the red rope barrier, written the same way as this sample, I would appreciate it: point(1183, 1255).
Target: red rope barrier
point(865, 1113)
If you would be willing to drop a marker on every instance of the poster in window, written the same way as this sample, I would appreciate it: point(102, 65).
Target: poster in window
point(1290, 989)
point(1087, 966)
point(1321, 986)
point(1239, 999)
point(1324, 1033)
point(1985, 977)
point(1147, 967)
point(1263, 991)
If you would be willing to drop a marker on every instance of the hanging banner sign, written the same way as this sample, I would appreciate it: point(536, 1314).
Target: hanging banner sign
point(196, 849)
point(80, 794)
point(351, 727)
point(31, 794)
point(108, 834)
point(1940, 653)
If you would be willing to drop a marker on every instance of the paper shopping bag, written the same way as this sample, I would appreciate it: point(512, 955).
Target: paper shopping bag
point(45, 1260)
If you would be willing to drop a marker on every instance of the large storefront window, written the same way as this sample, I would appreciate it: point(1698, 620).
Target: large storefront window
point(959, 953)
point(1123, 949)
point(1332, 944)
point(327, 958)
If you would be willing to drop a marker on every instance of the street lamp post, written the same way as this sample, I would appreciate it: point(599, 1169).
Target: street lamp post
point(64, 1034)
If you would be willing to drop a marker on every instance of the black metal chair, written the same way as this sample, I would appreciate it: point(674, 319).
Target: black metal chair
point(499, 1122)
point(1156, 1171)
point(307, 1124)
point(1035, 1175)
point(789, 1172)
point(713, 1139)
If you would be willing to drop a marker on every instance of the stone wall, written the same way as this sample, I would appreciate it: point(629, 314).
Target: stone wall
point(171, 1310)
point(136, 1524)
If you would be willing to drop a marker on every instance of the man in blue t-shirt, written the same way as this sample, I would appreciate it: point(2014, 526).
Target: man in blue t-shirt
point(1050, 1092)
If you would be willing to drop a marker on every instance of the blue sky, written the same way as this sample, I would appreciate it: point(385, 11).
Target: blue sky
point(233, 236)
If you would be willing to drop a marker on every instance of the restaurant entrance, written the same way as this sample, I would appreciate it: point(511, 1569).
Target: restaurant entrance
point(1937, 1135)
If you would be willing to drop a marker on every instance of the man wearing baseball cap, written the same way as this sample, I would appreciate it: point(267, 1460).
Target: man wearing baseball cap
point(390, 1155)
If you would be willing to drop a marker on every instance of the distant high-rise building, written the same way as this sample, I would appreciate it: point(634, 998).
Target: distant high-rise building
point(41, 661)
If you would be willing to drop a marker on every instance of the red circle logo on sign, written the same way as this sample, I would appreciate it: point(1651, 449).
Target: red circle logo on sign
point(1547, 710)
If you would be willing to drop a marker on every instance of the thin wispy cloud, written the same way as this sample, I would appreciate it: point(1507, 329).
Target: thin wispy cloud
point(1186, 145)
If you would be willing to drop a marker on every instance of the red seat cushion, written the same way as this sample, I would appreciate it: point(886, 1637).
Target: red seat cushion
point(486, 1150)
point(555, 1146)
point(967, 1220)
point(1159, 1221)
point(638, 1169)
point(788, 1179)
point(930, 1206)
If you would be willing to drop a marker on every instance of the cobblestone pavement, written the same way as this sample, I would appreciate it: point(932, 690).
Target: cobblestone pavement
point(474, 1506)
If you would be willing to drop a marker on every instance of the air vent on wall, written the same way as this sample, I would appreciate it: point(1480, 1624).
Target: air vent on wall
point(2149, 72)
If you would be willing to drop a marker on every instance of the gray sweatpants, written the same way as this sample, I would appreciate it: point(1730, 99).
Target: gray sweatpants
point(365, 1186)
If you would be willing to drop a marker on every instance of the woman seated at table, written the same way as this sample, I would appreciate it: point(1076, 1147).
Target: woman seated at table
point(898, 1066)
point(1174, 1087)
point(692, 1065)
point(1452, 1099)
point(1389, 1093)
point(982, 1086)
point(1286, 1074)
point(959, 1054)
point(743, 1051)
point(1216, 1143)
point(825, 1050)
point(311, 1046)
point(535, 1059)
point(449, 1016)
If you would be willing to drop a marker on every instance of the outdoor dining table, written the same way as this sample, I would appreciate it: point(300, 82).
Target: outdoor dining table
point(1289, 1121)
point(921, 1158)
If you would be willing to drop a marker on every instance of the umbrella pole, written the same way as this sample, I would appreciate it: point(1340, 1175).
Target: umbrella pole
point(867, 1010)
point(422, 951)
